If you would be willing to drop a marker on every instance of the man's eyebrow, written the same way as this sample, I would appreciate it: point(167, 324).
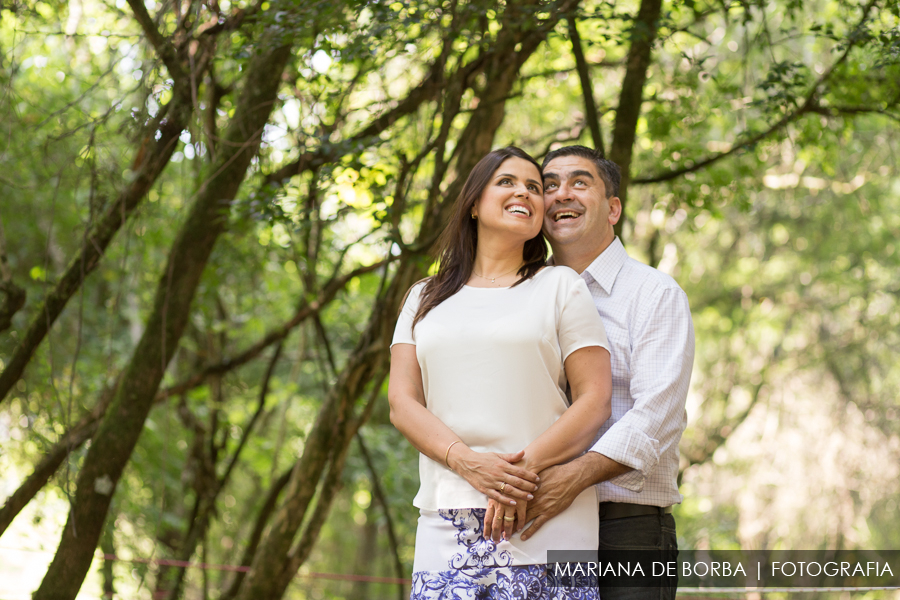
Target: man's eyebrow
point(573, 174)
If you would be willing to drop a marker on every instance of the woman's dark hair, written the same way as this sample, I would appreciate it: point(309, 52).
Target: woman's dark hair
point(457, 244)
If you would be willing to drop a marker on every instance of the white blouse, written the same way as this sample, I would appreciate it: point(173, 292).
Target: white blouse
point(492, 367)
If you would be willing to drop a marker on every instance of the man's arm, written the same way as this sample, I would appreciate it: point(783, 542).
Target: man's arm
point(661, 361)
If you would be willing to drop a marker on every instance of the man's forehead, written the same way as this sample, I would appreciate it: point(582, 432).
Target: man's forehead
point(563, 166)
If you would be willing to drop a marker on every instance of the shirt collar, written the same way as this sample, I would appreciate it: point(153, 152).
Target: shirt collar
point(607, 265)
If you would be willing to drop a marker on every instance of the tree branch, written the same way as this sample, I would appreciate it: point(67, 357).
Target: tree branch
point(263, 392)
point(162, 45)
point(150, 158)
point(331, 483)
point(718, 437)
point(206, 498)
point(385, 506)
point(304, 311)
point(13, 297)
point(591, 116)
point(643, 35)
point(607, 64)
point(836, 111)
point(52, 459)
point(810, 104)
point(427, 90)
point(85, 429)
point(262, 519)
point(206, 220)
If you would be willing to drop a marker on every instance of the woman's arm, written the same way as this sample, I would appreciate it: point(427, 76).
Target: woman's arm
point(590, 379)
point(485, 471)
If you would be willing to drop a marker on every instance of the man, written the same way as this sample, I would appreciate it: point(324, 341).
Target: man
point(634, 462)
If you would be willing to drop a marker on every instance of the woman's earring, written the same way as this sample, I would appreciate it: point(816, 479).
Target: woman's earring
point(474, 216)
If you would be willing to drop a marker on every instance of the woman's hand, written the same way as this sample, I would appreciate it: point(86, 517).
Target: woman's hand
point(501, 522)
point(494, 474)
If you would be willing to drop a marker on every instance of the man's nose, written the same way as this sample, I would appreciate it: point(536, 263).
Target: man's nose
point(563, 193)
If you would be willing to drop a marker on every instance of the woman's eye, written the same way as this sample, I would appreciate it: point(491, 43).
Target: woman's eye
point(504, 181)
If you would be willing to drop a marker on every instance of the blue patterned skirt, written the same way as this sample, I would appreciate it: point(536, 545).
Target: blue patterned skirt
point(454, 561)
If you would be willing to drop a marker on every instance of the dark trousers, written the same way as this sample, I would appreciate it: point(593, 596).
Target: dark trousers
point(648, 532)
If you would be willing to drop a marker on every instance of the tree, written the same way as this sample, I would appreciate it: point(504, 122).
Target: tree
point(273, 181)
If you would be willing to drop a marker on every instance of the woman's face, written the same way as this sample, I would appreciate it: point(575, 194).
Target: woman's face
point(512, 204)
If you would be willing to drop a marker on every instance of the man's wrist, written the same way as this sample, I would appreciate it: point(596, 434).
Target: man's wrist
point(597, 468)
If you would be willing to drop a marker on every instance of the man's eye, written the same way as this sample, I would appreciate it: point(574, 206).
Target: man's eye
point(549, 186)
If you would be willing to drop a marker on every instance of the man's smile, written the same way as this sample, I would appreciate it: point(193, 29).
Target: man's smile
point(566, 213)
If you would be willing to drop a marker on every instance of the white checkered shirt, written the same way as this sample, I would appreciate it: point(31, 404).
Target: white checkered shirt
point(651, 336)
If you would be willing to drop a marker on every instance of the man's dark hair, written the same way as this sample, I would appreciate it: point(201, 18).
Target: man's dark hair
point(608, 170)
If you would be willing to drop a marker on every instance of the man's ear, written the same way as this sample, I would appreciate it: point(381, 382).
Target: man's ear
point(615, 210)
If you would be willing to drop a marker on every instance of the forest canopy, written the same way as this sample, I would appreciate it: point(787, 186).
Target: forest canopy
point(210, 212)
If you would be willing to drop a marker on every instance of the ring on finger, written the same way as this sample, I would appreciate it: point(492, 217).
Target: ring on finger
point(509, 518)
point(498, 517)
point(502, 485)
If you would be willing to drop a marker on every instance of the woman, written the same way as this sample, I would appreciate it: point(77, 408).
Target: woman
point(478, 387)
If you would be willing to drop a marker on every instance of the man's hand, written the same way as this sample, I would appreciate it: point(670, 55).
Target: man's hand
point(560, 485)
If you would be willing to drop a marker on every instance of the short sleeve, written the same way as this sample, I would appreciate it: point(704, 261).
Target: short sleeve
point(579, 322)
point(403, 332)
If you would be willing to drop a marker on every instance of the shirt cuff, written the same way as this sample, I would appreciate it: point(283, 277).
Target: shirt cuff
point(629, 446)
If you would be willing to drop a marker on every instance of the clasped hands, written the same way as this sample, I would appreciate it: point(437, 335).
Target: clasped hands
point(505, 479)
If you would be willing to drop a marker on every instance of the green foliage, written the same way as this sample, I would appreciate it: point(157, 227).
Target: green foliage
point(764, 180)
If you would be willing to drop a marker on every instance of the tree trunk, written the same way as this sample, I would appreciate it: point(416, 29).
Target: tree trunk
point(380, 497)
point(12, 297)
point(366, 549)
point(277, 560)
point(591, 116)
point(121, 427)
point(258, 529)
point(107, 546)
point(643, 36)
point(270, 571)
point(170, 585)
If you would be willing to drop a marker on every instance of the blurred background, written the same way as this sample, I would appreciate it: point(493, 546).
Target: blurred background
point(210, 211)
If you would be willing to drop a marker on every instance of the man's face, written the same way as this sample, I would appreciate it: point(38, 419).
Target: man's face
point(576, 209)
